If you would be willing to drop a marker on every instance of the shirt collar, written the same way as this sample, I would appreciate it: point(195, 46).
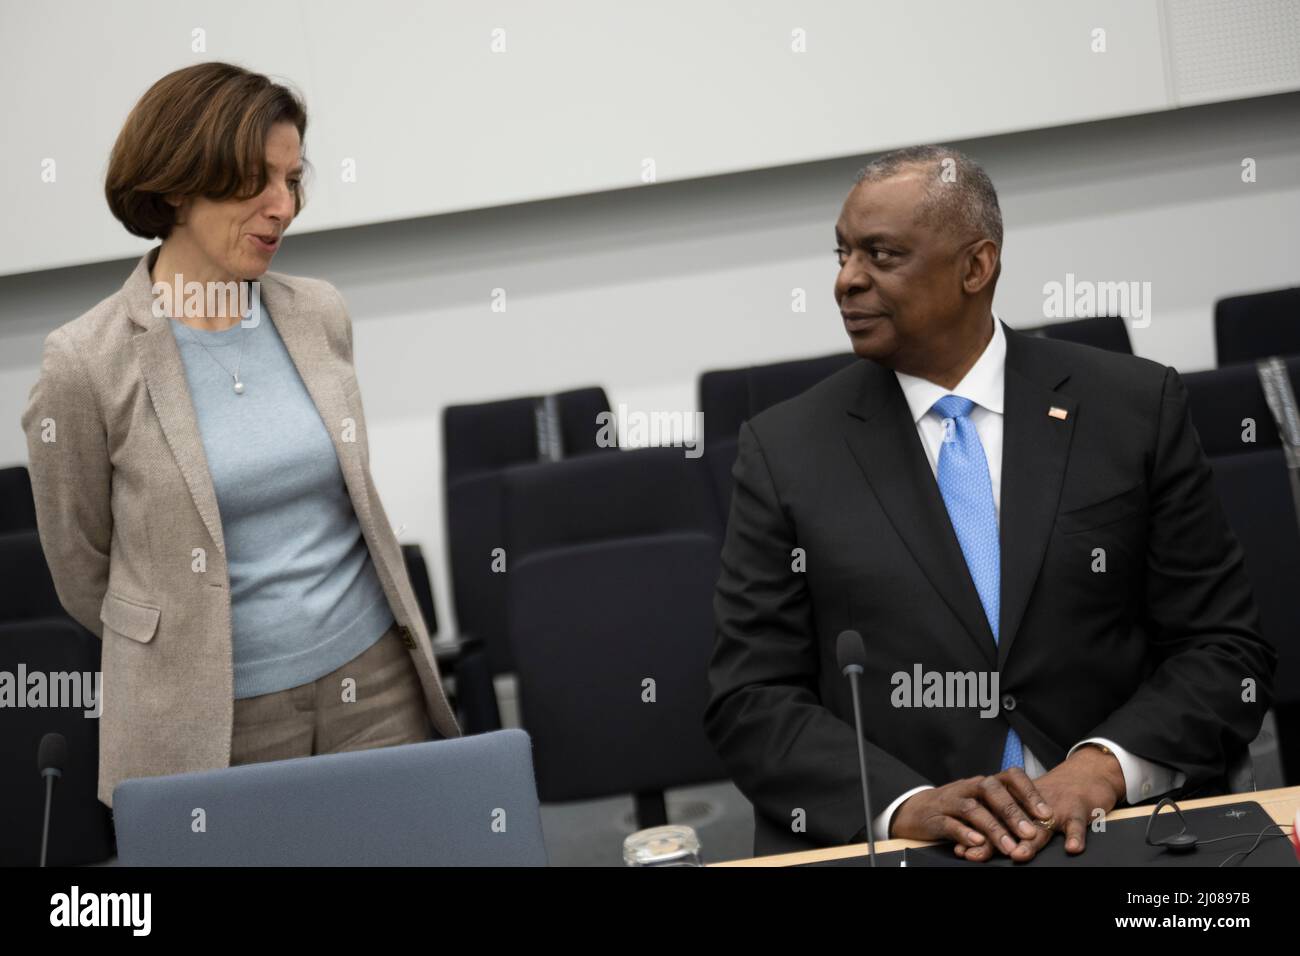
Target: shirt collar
point(983, 384)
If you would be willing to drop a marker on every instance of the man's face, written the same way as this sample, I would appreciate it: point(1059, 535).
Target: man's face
point(899, 287)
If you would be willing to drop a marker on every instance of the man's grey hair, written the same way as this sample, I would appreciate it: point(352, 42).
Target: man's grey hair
point(959, 194)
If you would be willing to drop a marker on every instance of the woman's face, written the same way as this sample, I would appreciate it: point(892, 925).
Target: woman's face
point(236, 239)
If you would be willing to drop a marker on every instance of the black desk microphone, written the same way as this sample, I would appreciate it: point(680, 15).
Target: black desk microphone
point(851, 655)
point(50, 758)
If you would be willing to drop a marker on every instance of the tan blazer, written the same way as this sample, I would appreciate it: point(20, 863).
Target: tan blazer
point(129, 523)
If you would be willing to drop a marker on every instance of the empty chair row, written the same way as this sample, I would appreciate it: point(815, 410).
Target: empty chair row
point(479, 443)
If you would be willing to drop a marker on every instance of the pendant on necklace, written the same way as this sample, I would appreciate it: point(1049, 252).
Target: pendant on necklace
point(239, 387)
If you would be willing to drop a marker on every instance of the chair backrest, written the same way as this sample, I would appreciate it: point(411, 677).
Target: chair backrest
point(81, 829)
point(1228, 403)
point(1249, 327)
point(479, 443)
point(418, 571)
point(1254, 488)
point(1256, 497)
point(637, 493)
point(610, 611)
point(467, 801)
point(489, 436)
point(17, 505)
point(1102, 332)
point(730, 397)
point(26, 587)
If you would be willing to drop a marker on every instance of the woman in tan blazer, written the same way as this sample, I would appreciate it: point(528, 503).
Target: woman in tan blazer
point(201, 469)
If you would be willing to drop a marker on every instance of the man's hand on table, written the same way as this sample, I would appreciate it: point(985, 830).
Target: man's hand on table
point(996, 814)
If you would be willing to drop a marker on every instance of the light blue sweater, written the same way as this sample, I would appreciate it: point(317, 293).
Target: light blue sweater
point(305, 598)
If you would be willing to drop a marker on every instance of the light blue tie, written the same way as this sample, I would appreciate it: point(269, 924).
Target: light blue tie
point(968, 494)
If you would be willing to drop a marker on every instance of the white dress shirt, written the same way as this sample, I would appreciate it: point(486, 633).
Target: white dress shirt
point(984, 385)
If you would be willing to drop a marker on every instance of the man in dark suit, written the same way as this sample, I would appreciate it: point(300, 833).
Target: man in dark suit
point(989, 510)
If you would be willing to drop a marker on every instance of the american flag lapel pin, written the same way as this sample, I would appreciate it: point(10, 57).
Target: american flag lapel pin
point(1055, 412)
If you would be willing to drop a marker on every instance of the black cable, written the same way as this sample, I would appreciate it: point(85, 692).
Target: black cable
point(1184, 842)
point(1255, 846)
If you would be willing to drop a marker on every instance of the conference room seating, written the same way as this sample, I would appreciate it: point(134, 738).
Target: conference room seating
point(36, 633)
point(1221, 400)
point(81, 830)
point(1249, 327)
point(1103, 332)
point(1253, 486)
point(613, 560)
point(26, 587)
point(466, 801)
point(729, 397)
point(17, 506)
point(479, 442)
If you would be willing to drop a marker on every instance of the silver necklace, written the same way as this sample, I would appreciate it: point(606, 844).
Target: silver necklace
point(239, 386)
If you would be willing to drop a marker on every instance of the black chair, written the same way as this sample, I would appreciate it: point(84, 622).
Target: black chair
point(81, 829)
point(730, 397)
point(614, 560)
point(1221, 401)
point(464, 661)
point(1249, 327)
point(1102, 332)
point(1256, 498)
point(26, 587)
point(1253, 485)
point(479, 442)
point(37, 635)
point(17, 506)
point(417, 570)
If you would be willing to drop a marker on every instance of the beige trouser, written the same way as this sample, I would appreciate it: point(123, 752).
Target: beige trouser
point(386, 707)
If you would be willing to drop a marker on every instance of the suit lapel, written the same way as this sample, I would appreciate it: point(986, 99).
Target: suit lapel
point(304, 339)
point(1035, 448)
point(883, 439)
point(1035, 451)
point(164, 376)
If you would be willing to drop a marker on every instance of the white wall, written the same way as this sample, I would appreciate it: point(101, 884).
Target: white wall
point(641, 289)
point(428, 109)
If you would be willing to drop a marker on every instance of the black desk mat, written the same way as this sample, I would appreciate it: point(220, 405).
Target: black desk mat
point(1123, 844)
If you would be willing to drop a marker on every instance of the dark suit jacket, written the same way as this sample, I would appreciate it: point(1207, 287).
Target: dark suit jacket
point(1152, 653)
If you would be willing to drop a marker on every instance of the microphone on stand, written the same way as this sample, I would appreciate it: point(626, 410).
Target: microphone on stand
point(851, 655)
point(50, 758)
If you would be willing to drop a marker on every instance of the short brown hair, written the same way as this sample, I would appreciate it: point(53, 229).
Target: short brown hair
point(200, 131)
